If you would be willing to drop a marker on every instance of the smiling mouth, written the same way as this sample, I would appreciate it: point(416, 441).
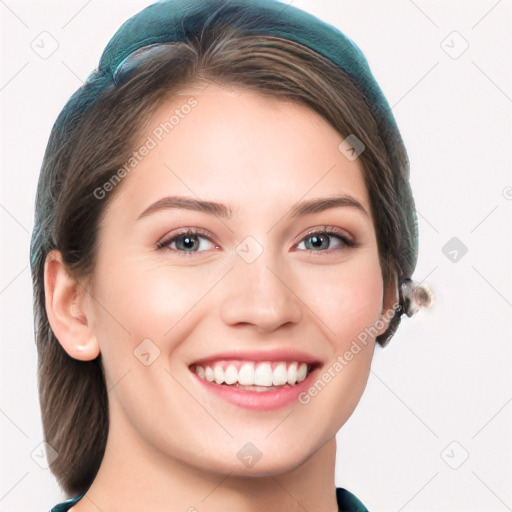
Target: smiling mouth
point(254, 376)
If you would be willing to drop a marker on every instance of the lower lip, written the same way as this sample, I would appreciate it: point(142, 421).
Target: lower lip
point(258, 400)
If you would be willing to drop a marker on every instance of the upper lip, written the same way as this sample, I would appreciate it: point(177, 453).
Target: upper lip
point(288, 355)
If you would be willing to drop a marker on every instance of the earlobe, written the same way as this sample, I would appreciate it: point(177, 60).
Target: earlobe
point(67, 310)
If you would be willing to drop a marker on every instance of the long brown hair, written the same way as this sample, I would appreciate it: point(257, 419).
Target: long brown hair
point(89, 144)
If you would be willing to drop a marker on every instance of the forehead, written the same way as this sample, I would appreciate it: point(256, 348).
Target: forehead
point(238, 147)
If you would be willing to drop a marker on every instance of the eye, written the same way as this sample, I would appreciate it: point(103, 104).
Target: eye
point(189, 240)
point(322, 240)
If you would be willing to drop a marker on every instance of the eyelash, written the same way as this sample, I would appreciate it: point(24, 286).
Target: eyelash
point(323, 230)
point(332, 232)
point(164, 244)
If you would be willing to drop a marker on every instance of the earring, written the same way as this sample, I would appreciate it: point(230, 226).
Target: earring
point(415, 296)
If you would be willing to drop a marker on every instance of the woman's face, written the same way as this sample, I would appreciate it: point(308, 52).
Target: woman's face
point(245, 288)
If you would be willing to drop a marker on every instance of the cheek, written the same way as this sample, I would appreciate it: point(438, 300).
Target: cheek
point(349, 306)
point(347, 299)
point(149, 299)
point(137, 301)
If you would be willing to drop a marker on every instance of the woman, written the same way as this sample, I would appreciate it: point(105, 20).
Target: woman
point(224, 229)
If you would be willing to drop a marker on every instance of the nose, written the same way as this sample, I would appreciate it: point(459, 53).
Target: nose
point(260, 294)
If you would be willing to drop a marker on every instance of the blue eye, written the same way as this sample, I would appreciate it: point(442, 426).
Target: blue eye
point(188, 241)
point(193, 240)
point(320, 241)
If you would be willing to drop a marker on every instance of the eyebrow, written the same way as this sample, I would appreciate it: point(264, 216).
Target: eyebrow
point(226, 212)
point(188, 203)
point(325, 203)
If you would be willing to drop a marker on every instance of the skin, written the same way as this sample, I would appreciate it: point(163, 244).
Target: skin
point(171, 444)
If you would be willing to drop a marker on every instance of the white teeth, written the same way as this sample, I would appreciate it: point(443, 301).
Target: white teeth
point(292, 374)
point(208, 373)
point(264, 375)
point(280, 375)
point(246, 374)
point(302, 372)
point(218, 373)
point(231, 374)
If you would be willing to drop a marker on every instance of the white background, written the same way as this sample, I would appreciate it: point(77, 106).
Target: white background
point(441, 390)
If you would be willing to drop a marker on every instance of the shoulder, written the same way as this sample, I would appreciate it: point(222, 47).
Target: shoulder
point(66, 505)
point(348, 502)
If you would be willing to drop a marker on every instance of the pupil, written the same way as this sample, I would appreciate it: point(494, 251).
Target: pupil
point(317, 241)
point(188, 242)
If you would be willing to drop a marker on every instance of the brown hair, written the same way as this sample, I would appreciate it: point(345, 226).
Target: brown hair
point(89, 143)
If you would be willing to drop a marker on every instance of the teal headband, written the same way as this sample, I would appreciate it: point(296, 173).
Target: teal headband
point(176, 20)
point(170, 21)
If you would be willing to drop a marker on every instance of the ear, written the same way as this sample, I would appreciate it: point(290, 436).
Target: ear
point(68, 311)
point(389, 304)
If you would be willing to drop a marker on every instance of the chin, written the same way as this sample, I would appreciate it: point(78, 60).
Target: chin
point(261, 458)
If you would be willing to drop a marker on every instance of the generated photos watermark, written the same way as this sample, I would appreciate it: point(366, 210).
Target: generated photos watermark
point(151, 142)
point(330, 373)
